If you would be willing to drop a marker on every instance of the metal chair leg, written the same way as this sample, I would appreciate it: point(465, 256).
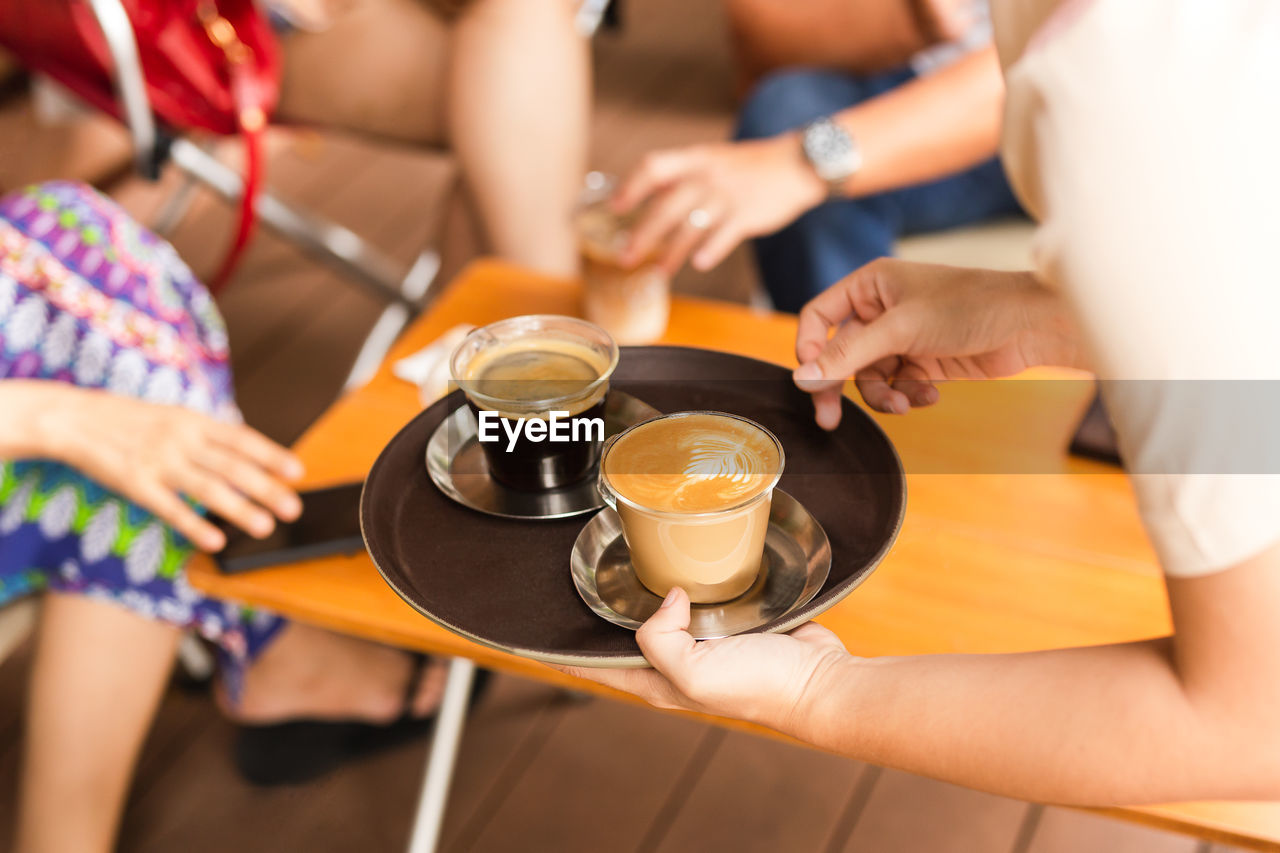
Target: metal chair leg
point(415, 288)
point(131, 89)
point(440, 761)
point(333, 244)
point(175, 207)
point(195, 658)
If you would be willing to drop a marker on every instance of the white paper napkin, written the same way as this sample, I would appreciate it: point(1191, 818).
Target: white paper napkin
point(428, 368)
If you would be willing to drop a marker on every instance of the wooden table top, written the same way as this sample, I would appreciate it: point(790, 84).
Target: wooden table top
point(985, 562)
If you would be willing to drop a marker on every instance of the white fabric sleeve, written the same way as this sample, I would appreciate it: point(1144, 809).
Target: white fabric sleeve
point(1145, 136)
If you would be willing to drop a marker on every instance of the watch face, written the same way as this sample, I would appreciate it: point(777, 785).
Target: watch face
point(831, 150)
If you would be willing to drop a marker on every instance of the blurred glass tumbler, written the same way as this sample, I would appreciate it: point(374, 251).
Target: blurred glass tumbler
point(537, 386)
point(632, 303)
point(693, 491)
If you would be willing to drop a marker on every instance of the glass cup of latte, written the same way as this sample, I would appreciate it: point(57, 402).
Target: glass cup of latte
point(537, 386)
point(693, 491)
point(633, 303)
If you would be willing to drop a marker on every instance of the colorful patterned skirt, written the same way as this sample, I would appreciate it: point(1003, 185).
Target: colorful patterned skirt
point(90, 298)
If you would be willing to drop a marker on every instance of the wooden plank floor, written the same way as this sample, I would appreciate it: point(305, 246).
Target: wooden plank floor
point(538, 770)
point(542, 771)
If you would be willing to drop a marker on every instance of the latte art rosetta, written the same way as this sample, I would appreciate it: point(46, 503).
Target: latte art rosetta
point(697, 463)
point(719, 457)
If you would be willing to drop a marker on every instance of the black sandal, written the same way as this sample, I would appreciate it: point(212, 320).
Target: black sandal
point(298, 751)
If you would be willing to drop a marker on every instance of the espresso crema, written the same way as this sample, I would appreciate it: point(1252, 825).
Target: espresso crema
point(536, 369)
point(546, 378)
point(693, 464)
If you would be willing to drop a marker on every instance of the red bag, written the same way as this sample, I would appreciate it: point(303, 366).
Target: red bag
point(208, 65)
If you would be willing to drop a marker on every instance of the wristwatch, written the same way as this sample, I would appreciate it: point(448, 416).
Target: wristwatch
point(832, 152)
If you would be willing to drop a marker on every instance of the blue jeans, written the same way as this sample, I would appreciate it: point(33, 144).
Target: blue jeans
point(837, 237)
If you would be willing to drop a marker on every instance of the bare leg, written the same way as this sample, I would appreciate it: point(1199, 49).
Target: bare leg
point(380, 68)
point(313, 673)
point(98, 676)
point(97, 679)
point(859, 36)
point(506, 84)
point(519, 101)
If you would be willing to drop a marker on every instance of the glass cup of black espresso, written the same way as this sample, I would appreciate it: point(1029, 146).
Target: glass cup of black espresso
point(537, 386)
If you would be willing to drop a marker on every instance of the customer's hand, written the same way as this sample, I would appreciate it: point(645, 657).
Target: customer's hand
point(706, 199)
point(763, 678)
point(900, 327)
point(153, 454)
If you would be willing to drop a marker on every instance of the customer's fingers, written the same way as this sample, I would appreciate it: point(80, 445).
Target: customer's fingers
point(700, 224)
point(250, 443)
point(247, 477)
point(655, 170)
point(668, 212)
point(176, 512)
point(215, 495)
point(718, 245)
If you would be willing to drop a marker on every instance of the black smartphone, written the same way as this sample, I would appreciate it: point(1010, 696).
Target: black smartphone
point(329, 524)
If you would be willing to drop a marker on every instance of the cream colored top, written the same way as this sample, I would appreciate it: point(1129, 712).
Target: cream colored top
point(1144, 135)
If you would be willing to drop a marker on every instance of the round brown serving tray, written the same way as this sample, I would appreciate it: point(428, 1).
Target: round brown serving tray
point(507, 584)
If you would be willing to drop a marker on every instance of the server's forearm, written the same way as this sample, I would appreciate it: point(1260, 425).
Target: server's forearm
point(1182, 718)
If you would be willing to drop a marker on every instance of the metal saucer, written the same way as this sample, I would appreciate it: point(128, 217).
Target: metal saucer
point(457, 466)
point(797, 558)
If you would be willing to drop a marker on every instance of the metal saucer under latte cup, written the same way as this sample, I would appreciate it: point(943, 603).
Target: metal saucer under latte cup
point(797, 560)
